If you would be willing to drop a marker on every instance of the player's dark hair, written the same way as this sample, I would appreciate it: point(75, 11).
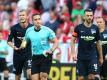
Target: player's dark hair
point(88, 10)
point(99, 17)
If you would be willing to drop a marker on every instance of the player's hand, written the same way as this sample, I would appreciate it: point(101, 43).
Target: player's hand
point(101, 60)
point(74, 57)
point(15, 48)
point(106, 57)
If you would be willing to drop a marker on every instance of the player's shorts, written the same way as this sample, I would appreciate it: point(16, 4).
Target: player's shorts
point(104, 69)
point(40, 63)
point(20, 62)
point(86, 67)
point(3, 64)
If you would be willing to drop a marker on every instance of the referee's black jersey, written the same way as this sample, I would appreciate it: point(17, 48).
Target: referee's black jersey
point(87, 37)
point(103, 36)
point(17, 34)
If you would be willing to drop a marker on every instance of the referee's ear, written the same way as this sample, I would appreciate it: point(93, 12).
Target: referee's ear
point(83, 17)
point(35, 15)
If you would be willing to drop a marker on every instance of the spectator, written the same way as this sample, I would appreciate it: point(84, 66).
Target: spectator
point(31, 10)
point(99, 9)
point(4, 33)
point(77, 11)
point(45, 17)
point(14, 13)
point(48, 4)
point(65, 26)
point(3, 53)
point(53, 23)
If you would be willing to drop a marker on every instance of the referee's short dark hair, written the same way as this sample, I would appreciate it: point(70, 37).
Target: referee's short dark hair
point(88, 10)
point(35, 15)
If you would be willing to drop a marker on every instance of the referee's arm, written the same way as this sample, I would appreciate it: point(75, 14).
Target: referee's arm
point(55, 44)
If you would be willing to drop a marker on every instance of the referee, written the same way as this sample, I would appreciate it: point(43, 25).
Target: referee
point(40, 36)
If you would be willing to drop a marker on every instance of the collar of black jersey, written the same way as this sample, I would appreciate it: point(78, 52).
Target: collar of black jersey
point(37, 30)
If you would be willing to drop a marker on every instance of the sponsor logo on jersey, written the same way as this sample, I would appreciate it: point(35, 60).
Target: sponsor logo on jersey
point(105, 36)
point(87, 38)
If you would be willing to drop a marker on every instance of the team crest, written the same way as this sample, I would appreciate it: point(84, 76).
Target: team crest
point(105, 36)
point(93, 31)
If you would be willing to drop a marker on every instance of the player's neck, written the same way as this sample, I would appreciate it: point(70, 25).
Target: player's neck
point(87, 24)
point(24, 25)
point(102, 29)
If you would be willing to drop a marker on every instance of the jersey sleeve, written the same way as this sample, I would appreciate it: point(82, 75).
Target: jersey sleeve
point(11, 34)
point(51, 34)
point(97, 36)
point(75, 33)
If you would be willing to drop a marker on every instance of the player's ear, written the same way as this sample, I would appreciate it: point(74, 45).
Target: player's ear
point(83, 19)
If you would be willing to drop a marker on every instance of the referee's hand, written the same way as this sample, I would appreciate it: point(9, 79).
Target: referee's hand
point(47, 52)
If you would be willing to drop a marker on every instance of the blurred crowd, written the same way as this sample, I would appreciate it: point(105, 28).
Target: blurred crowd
point(60, 15)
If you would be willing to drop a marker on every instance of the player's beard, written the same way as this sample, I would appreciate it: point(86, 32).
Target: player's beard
point(89, 21)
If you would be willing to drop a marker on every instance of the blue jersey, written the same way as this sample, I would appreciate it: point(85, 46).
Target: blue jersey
point(103, 36)
point(39, 39)
point(87, 38)
point(3, 47)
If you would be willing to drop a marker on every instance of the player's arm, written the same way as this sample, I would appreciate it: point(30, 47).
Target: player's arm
point(10, 43)
point(99, 48)
point(10, 38)
point(73, 47)
point(73, 39)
